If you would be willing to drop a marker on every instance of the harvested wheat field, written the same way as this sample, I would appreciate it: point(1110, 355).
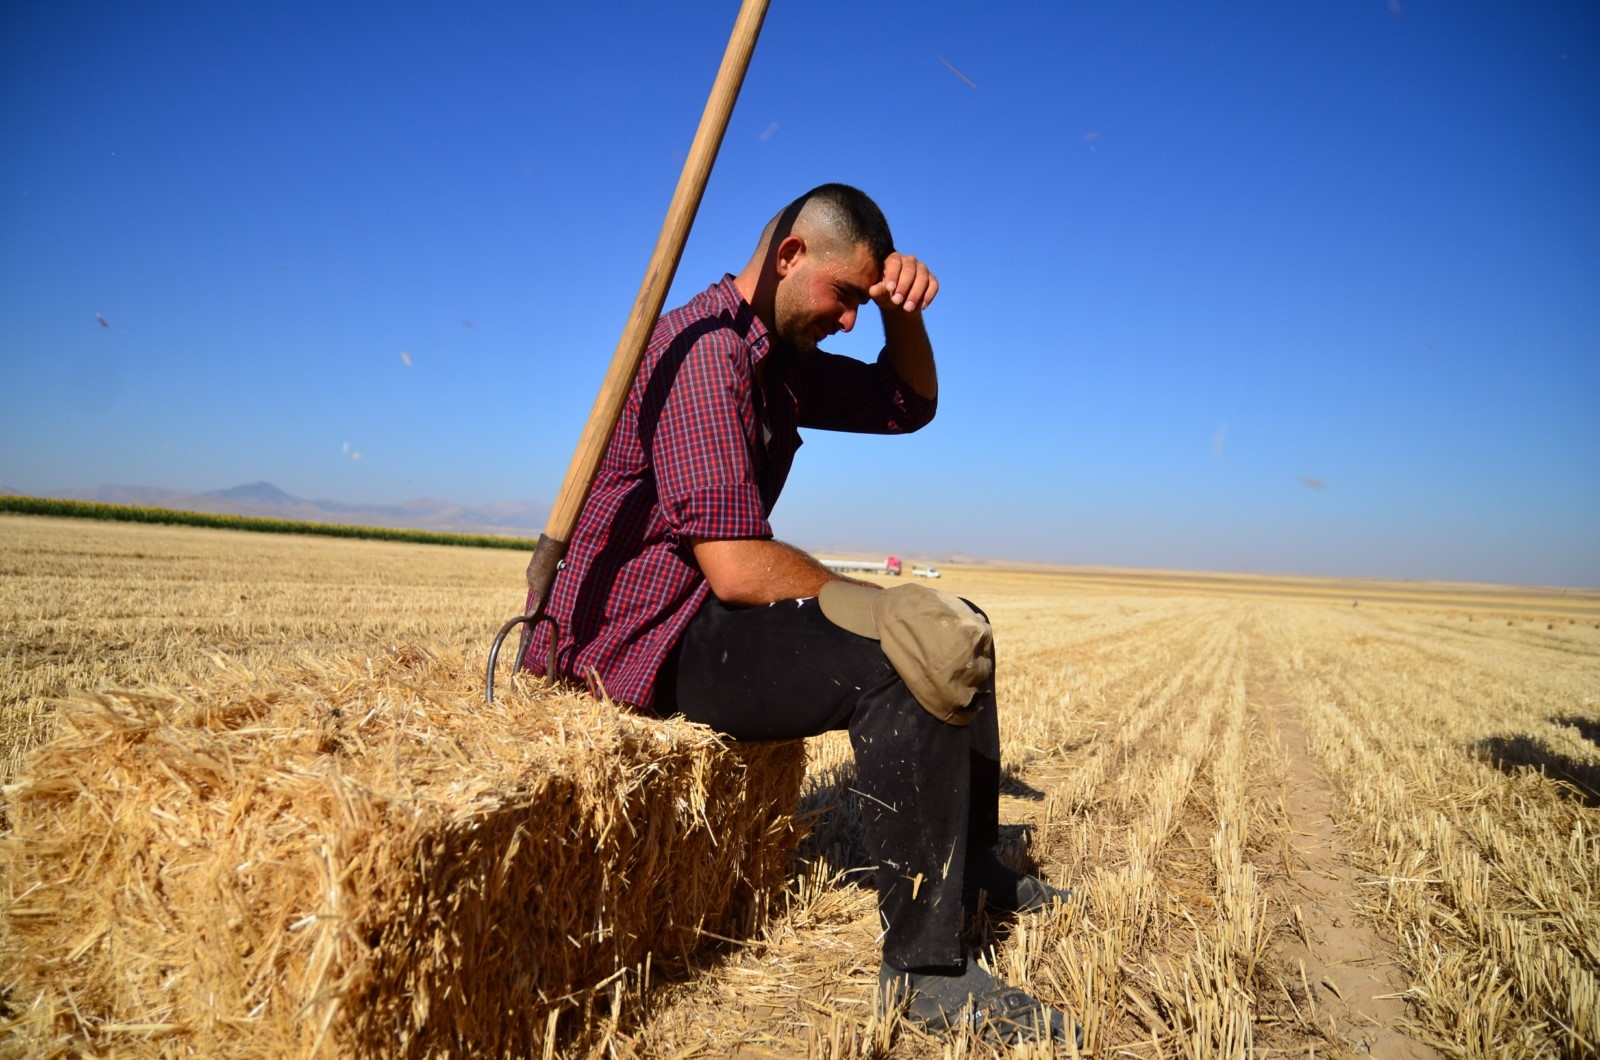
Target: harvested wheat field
point(1303, 817)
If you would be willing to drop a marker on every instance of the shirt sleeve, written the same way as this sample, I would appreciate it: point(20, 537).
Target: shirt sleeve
point(843, 394)
point(701, 447)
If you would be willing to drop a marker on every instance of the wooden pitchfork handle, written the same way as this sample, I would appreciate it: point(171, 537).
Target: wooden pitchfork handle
point(608, 405)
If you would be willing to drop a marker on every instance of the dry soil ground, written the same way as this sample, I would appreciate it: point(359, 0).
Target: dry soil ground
point(1303, 816)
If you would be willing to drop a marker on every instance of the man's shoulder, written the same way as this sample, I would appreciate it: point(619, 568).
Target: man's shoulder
point(716, 318)
point(721, 299)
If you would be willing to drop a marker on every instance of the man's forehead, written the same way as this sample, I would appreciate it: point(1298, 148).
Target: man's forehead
point(857, 269)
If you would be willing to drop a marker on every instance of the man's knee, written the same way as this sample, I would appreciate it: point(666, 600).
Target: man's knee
point(939, 644)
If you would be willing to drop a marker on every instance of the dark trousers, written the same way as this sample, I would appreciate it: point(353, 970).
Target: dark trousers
point(930, 789)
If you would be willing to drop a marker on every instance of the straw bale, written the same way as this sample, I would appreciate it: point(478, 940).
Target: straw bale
point(361, 857)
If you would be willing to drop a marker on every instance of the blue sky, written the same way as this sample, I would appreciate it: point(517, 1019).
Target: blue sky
point(1270, 286)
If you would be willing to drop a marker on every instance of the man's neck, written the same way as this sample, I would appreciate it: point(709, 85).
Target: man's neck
point(748, 284)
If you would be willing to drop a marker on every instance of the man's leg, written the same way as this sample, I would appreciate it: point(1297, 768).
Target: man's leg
point(930, 789)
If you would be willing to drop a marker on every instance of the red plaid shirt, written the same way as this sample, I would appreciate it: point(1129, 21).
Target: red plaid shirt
point(702, 450)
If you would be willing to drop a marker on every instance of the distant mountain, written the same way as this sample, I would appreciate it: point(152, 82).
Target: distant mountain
point(509, 518)
point(254, 493)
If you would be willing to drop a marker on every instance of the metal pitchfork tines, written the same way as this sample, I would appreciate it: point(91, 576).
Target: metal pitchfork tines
point(542, 570)
point(552, 546)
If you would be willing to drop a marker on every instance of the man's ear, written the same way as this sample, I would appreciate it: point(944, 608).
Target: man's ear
point(791, 252)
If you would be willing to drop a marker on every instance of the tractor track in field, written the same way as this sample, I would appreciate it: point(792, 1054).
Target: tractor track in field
point(1334, 961)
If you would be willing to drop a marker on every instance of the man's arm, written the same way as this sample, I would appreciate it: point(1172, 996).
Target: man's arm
point(905, 291)
point(746, 572)
point(749, 571)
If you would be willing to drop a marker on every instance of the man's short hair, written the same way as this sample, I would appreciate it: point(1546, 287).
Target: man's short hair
point(849, 214)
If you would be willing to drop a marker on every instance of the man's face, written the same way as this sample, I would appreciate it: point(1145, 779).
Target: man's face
point(821, 295)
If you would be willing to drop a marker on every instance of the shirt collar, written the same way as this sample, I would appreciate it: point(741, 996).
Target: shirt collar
point(745, 319)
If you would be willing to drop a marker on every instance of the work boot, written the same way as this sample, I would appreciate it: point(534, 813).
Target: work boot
point(942, 1001)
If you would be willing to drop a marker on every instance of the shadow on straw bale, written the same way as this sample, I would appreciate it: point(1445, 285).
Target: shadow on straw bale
point(363, 858)
point(1514, 754)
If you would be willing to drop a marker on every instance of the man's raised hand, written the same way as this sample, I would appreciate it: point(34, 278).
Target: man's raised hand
point(906, 283)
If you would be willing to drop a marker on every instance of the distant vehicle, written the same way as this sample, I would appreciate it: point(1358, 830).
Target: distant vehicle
point(890, 565)
point(925, 572)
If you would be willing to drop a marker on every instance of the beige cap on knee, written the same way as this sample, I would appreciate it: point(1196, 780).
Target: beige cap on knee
point(941, 648)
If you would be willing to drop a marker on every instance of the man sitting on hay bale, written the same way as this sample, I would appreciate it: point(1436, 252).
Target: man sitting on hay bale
point(675, 597)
